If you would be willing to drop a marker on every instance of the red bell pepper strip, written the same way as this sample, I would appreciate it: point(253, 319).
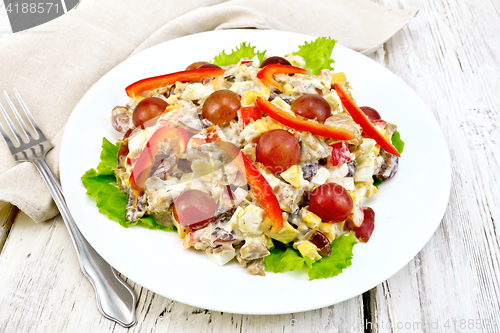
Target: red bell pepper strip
point(261, 189)
point(156, 82)
point(176, 137)
point(266, 74)
point(246, 113)
point(360, 117)
point(302, 125)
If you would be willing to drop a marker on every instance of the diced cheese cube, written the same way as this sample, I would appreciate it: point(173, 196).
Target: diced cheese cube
point(339, 78)
point(285, 235)
point(172, 99)
point(308, 249)
point(312, 220)
point(294, 176)
point(197, 91)
point(250, 95)
point(334, 101)
point(329, 230)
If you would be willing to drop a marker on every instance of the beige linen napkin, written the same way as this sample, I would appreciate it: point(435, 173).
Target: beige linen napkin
point(54, 65)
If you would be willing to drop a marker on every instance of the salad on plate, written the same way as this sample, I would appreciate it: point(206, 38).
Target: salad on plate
point(266, 160)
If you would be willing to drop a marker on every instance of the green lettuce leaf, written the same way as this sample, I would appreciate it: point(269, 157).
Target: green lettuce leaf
point(399, 145)
point(279, 260)
point(397, 142)
point(337, 261)
point(243, 51)
point(377, 181)
point(317, 54)
point(289, 259)
point(108, 157)
point(110, 200)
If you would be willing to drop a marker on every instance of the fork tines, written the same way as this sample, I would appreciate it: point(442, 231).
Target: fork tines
point(19, 144)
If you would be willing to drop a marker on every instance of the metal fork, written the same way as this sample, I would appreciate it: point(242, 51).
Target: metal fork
point(115, 299)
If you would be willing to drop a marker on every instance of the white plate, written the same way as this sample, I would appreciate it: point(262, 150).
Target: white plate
point(408, 208)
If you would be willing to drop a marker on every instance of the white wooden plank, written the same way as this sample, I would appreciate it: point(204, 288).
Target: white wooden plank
point(43, 290)
point(7, 215)
point(448, 54)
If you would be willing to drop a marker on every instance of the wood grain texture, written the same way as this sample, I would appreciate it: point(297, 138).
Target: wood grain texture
point(43, 290)
point(449, 54)
point(7, 215)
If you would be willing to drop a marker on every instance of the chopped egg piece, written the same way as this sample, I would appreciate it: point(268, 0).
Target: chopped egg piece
point(137, 143)
point(321, 176)
point(250, 220)
point(197, 91)
point(253, 130)
point(221, 258)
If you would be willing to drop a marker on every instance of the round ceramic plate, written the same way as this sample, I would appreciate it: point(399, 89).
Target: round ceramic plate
point(408, 208)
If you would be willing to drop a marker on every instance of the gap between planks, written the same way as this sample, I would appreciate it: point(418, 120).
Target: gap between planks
point(8, 213)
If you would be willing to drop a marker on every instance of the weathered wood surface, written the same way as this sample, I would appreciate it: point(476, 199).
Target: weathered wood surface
point(449, 54)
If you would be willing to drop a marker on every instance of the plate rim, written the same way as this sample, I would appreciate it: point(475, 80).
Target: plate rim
point(447, 172)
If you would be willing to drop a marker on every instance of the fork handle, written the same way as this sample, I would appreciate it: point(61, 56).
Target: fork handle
point(116, 300)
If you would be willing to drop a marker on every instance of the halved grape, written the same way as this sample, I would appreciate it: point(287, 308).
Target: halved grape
point(371, 113)
point(275, 61)
point(147, 110)
point(331, 202)
point(194, 209)
point(312, 106)
point(322, 243)
point(221, 107)
point(278, 150)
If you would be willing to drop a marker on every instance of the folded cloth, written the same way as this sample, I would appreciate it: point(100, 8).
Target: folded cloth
point(53, 65)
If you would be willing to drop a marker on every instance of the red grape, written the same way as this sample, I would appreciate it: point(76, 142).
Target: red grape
point(312, 106)
point(278, 150)
point(364, 232)
point(371, 113)
point(194, 209)
point(123, 150)
point(221, 107)
point(209, 65)
point(196, 65)
point(275, 60)
point(322, 243)
point(331, 202)
point(147, 110)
